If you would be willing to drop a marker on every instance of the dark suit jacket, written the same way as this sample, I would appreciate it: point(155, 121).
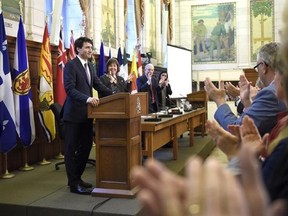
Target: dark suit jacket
point(78, 90)
point(144, 87)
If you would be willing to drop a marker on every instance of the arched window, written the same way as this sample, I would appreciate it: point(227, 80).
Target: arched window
point(131, 40)
point(72, 20)
point(49, 10)
point(71, 16)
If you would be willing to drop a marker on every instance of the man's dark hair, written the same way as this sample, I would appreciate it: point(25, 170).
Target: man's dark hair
point(80, 41)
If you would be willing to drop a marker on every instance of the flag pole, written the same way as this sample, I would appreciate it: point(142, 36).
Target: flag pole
point(60, 155)
point(26, 167)
point(6, 174)
point(44, 161)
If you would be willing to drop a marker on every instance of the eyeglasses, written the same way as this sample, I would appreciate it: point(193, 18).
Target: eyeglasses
point(256, 67)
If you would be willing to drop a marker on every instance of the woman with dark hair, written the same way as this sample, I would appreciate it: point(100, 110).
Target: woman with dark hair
point(112, 80)
point(163, 94)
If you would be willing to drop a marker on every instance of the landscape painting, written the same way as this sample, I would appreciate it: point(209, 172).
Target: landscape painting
point(214, 33)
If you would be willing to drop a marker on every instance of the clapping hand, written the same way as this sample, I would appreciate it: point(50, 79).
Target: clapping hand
point(112, 79)
point(231, 90)
point(215, 94)
point(130, 77)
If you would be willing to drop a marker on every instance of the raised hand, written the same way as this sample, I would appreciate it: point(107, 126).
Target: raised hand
point(250, 135)
point(227, 142)
point(231, 90)
point(217, 95)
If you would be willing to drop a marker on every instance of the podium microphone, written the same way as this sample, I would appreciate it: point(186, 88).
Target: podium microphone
point(124, 85)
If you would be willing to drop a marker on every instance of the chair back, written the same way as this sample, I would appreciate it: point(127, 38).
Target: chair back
point(56, 109)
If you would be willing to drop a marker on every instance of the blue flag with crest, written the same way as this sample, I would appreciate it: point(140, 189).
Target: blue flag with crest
point(8, 135)
point(25, 124)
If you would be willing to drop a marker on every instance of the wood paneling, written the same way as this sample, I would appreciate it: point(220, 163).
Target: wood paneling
point(251, 75)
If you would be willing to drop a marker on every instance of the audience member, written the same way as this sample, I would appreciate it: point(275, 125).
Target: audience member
point(79, 78)
point(163, 94)
point(148, 83)
point(264, 107)
point(208, 189)
point(274, 167)
point(112, 80)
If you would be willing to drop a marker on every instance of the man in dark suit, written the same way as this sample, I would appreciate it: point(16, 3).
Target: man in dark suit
point(148, 83)
point(79, 78)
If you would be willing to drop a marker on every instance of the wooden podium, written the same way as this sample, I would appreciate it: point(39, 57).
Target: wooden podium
point(118, 142)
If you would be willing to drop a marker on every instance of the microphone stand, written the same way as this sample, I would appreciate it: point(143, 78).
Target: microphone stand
point(121, 84)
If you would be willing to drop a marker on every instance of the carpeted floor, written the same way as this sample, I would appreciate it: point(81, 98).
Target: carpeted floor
point(43, 191)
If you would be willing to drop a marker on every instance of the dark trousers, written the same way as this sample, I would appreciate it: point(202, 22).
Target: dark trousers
point(78, 144)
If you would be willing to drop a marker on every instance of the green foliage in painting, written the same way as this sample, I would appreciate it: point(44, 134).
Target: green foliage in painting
point(262, 7)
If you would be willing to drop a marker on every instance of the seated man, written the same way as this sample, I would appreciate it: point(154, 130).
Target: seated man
point(273, 145)
point(265, 106)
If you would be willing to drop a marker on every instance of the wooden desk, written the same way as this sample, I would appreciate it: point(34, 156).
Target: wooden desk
point(157, 134)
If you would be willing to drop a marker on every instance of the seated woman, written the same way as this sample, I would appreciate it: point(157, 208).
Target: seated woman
point(163, 94)
point(112, 80)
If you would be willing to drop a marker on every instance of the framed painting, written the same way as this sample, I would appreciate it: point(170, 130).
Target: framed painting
point(108, 33)
point(11, 9)
point(213, 33)
point(262, 25)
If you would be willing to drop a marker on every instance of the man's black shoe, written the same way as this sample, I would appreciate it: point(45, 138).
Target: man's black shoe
point(78, 189)
point(85, 184)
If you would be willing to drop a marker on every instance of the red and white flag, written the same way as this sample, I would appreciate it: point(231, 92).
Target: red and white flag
point(72, 53)
point(60, 94)
point(139, 64)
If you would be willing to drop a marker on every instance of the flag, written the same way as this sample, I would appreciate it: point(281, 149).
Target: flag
point(125, 65)
point(139, 63)
point(45, 90)
point(60, 93)
point(72, 53)
point(120, 61)
point(102, 63)
point(25, 124)
point(134, 71)
point(8, 136)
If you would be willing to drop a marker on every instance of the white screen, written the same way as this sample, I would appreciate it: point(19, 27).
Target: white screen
point(179, 71)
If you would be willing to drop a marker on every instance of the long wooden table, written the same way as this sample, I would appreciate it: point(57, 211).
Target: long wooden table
point(157, 134)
